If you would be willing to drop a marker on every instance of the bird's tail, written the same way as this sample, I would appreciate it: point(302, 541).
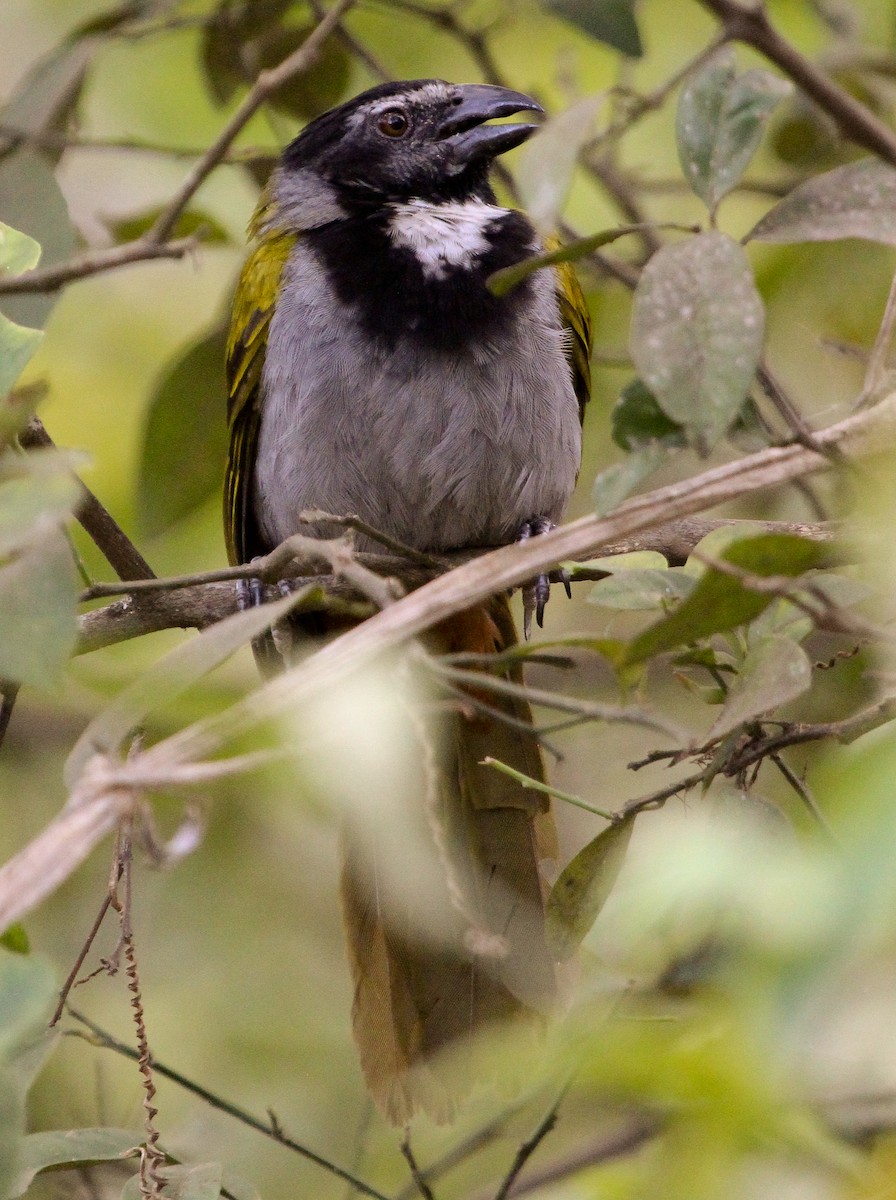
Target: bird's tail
point(420, 996)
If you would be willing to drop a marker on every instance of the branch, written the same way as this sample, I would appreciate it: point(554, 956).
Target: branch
point(98, 1036)
point(267, 83)
point(749, 23)
point(92, 262)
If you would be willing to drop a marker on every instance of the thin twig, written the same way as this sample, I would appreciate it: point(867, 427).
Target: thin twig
point(93, 262)
point(416, 1174)
point(530, 1145)
point(535, 785)
point(799, 786)
point(99, 1036)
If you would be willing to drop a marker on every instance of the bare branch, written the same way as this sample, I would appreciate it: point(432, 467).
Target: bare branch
point(93, 262)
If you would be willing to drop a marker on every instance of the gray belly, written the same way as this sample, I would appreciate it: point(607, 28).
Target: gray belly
point(438, 450)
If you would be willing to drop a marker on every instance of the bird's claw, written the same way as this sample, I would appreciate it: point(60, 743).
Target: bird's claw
point(537, 593)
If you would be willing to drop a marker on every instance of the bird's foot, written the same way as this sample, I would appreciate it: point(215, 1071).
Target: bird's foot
point(537, 592)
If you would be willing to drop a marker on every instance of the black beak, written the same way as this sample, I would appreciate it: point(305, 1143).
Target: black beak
point(463, 128)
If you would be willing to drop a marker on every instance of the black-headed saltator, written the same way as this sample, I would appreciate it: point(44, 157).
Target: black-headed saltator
point(372, 372)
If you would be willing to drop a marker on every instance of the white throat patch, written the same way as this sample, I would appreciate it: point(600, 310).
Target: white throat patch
point(443, 235)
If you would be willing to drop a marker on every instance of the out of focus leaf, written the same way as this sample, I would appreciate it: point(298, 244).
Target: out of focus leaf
point(64, 1148)
point(720, 601)
point(696, 355)
point(584, 886)
point(17, 345)
point(642, 590)
point(243, 39)
point(48, 94)
point(637, 418)
point(15, 938)
point(719, 123)
point(171, 676)
point(855, 201)
point(618, 481)
point(38, 617)
point(633, 560)
point(12, 1128)
point(31, 200)
point(546, 164)
point(37, 493)
point(609, 21)
point(200, 1182)
point(27, 988)
point(773, 672)
point(189, 223)
point(185, 440)
point(18, 252)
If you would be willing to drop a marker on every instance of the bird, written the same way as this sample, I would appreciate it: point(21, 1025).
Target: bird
point(371, 371)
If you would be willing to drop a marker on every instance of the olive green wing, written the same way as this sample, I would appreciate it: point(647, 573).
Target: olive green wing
point(577, 322)
point(253, 308)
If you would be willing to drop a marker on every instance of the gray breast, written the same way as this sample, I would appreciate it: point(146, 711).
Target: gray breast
point(437, 449)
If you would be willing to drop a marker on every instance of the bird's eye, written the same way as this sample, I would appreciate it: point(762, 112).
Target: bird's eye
point(393, 123)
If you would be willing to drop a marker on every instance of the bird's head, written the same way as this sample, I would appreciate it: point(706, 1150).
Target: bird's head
point(425, 139)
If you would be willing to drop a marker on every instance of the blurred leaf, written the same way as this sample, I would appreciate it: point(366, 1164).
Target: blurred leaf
point(720, 121)
point(27, 988)
point(185, 439)
point(18, 252)
point(244, 39)
point(37, 493)
point(189, 223)
point(17, 408)
point(698, 356)
point(855, 201)
point(637, 418)
point(719, 601)
point(641, 590)
point(633, 560)
point(584, 886)
point(619, 480)
point(38, 615)
point(200, 1182)
point(17, 345)
point(609, 21)
point(12, 1128)
point(46, 98)
point(171, 676)
point(773, 672)
point(546, 163)
point(62, 1148)
point(31, 201)
point(15, 938)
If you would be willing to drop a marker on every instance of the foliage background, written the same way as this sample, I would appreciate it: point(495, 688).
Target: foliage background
point(240, 946)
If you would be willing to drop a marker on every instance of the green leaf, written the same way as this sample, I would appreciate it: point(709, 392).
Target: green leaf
point(630, 561)
point(546, 163)
point(619, 480)
point(190, 223)
point(698, 356)
point(171, 676)
point(720, 601)
point(64, 1148)
point(642, 590)
point(185, 440)
point(38, 612)
point(17, 345)
point(637, 418)
point(501, 282)
point(15, 938)
point(855, 201)
point(31, 201)
point(37, 493)
point(200, 1182)
point(609, 21)
point(27, 987)
point(773, 672)
point(18, 251)
point(720, 121)
point(584, 886)
point(12, 1128)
